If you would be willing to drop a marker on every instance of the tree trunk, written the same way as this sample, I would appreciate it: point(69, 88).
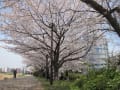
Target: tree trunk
point(56, 72)
point(47, 68)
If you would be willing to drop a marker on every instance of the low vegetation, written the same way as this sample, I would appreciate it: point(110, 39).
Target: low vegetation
point(99, 80)
point(104, 79)
point(58, 85)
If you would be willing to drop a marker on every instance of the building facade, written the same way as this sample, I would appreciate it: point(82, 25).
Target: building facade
point(97, 57)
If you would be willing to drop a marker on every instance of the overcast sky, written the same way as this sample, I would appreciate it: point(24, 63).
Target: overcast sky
point(10, 59)
point(114, 42)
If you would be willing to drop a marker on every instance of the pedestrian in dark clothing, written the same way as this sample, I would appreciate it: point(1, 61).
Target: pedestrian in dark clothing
point(14, 73)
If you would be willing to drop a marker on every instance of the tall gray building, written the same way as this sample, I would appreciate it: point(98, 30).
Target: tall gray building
point(98, 55)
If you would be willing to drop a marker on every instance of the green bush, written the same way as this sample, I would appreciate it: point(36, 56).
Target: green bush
point(74, 76)
point(114, 84)
point(81, 81)
point(111, 73)
point(104, 79)
point(98, 83)
point(72, 87)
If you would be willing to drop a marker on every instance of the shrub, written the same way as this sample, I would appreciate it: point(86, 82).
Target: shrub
point(98, 83)
point(74, 76)
point(81, 81)
point(104, 79)
point(114, 84)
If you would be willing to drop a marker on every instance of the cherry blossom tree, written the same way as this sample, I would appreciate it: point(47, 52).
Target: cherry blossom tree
point(109, 9)
point(50, 28)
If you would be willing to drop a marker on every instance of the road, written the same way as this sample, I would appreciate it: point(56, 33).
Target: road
point(26, 83)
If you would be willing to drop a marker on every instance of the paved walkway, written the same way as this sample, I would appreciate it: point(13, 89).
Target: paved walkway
point(26, 83)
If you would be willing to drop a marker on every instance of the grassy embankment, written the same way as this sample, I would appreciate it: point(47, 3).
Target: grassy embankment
point(9, 75)
point(5, 75)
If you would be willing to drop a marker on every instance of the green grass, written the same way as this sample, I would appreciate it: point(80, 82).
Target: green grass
point(58, 85)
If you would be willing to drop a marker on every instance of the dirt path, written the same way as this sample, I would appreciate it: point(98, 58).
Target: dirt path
point(26, 83)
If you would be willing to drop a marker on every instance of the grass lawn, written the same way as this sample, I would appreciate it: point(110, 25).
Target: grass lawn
point(58, 85)
point(5, 75)
point(9, 75)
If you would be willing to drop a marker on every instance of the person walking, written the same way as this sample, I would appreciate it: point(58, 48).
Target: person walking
point(14, 73)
